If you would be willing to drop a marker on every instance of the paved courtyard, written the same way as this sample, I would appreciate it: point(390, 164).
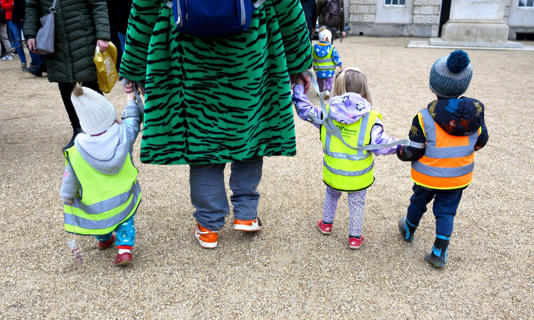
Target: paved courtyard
point(288, 270)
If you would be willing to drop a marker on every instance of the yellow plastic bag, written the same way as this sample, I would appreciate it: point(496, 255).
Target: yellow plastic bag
point(105, 67)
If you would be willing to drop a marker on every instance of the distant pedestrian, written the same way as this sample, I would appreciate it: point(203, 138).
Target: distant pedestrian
point(15, 20)
point(331, 15)
point(7, 53)
point(76, 37)
point(100, 188)
point(445, 136)
point(325, 60)
point(345, 169)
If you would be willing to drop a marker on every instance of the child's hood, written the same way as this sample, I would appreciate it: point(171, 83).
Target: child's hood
point(105, 153)
point(322, 49)
point(458, 117)
point(348, 107)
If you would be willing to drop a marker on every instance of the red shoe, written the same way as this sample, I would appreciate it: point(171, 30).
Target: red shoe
point(324, 228)
point(123, 259)
point(247, 225)
point(206, 238)
point(103, 245)
point(355, 243)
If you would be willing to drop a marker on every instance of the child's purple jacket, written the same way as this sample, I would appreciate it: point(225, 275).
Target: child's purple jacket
point(347, 108)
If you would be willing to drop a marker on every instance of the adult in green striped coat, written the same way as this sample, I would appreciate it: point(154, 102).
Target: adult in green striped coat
point(210, 101)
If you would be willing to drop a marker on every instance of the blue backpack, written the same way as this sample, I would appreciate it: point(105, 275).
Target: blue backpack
point(213, 18)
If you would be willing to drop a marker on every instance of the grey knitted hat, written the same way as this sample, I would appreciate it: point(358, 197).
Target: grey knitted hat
point(450, 75)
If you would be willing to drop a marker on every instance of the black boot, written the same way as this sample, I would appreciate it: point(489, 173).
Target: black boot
point(407, 229)
point(438, 256)
point(71, 142)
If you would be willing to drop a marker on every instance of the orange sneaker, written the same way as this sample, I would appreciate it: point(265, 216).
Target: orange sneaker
point(206, 238)
point(247, 225)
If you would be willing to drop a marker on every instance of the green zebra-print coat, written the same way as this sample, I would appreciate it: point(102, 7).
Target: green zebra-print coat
point(216, 100)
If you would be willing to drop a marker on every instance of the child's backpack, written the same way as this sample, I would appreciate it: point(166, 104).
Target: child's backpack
point(334, 13)
point(213, 18)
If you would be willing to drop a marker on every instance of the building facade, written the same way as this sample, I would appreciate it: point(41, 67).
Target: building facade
point(425, 18)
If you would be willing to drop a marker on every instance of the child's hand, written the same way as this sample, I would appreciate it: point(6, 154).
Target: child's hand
point(128, 87)
point(68, 201)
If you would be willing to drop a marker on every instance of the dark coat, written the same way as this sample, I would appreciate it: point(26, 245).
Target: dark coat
point(78, 25)
point(19, 8)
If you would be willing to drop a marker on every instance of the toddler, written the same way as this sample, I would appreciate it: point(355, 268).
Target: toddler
point(346, 169)
point(444, 137)
point(100, 190)
point(325, 60)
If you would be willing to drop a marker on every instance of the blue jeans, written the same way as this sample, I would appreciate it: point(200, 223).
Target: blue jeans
point(122, 39)
point(444, 207)
point(15, 28)
point(208, 194)
point(125, 233)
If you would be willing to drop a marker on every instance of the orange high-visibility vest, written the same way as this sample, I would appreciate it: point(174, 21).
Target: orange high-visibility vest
point(448, 161)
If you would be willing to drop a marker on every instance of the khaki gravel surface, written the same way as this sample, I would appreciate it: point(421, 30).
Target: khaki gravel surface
point(289, 270)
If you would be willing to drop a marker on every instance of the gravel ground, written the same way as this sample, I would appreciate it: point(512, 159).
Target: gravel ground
point(288, 270)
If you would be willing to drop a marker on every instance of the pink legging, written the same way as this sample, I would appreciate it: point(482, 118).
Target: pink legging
point(356, 206)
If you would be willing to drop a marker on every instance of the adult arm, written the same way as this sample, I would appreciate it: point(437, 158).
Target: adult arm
point(409, 153)
point(99, 12)
point(140, 25)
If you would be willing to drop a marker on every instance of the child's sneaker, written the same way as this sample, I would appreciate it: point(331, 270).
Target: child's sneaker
point(326, 95)
point(247, 225)
point(355, 242)
point(206, 238)
point(324, 228)
point(103, 245)
point(406, 230)
point(123, 259)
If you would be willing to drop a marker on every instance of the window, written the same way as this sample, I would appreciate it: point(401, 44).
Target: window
point(403, 2)
point(524, 3)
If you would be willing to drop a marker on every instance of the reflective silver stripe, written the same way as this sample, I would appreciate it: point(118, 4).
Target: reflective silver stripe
point(323, 60)
point(108, 204)
point(243, 15)
point(71, 219)
point(361, 136)
point(348, 173)
point(258, 3)
point(346, 156)
point(332, 67)
point(442, 172)
point(414, 144)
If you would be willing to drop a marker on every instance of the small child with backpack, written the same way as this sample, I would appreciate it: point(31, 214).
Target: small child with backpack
point(444, 137)
point(344, 168)
point(100, 190)
point(325, 61)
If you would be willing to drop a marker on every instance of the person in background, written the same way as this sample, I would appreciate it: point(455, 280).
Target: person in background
point(310, 12)
point(331, 15)
point(15, 20)
point(76, 36)
point(325, 60)
point(7, 51)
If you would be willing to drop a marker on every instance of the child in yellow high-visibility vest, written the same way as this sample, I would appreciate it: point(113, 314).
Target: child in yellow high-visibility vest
point(103, 152)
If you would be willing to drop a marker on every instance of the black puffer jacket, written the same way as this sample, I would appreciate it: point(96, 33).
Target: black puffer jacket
point(78, 25)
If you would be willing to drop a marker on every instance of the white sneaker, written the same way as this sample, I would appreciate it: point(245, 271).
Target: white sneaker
point(326, 94)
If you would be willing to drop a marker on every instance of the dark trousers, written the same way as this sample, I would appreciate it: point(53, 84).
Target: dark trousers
point(65, 88)
point(444, 207)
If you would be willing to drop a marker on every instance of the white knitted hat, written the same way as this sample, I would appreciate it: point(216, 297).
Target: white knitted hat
point(325, 34)
point(95, 112)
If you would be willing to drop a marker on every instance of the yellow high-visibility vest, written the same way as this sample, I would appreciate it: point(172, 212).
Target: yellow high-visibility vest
point(346, 169)
point(105, 201)
point(324, 63)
